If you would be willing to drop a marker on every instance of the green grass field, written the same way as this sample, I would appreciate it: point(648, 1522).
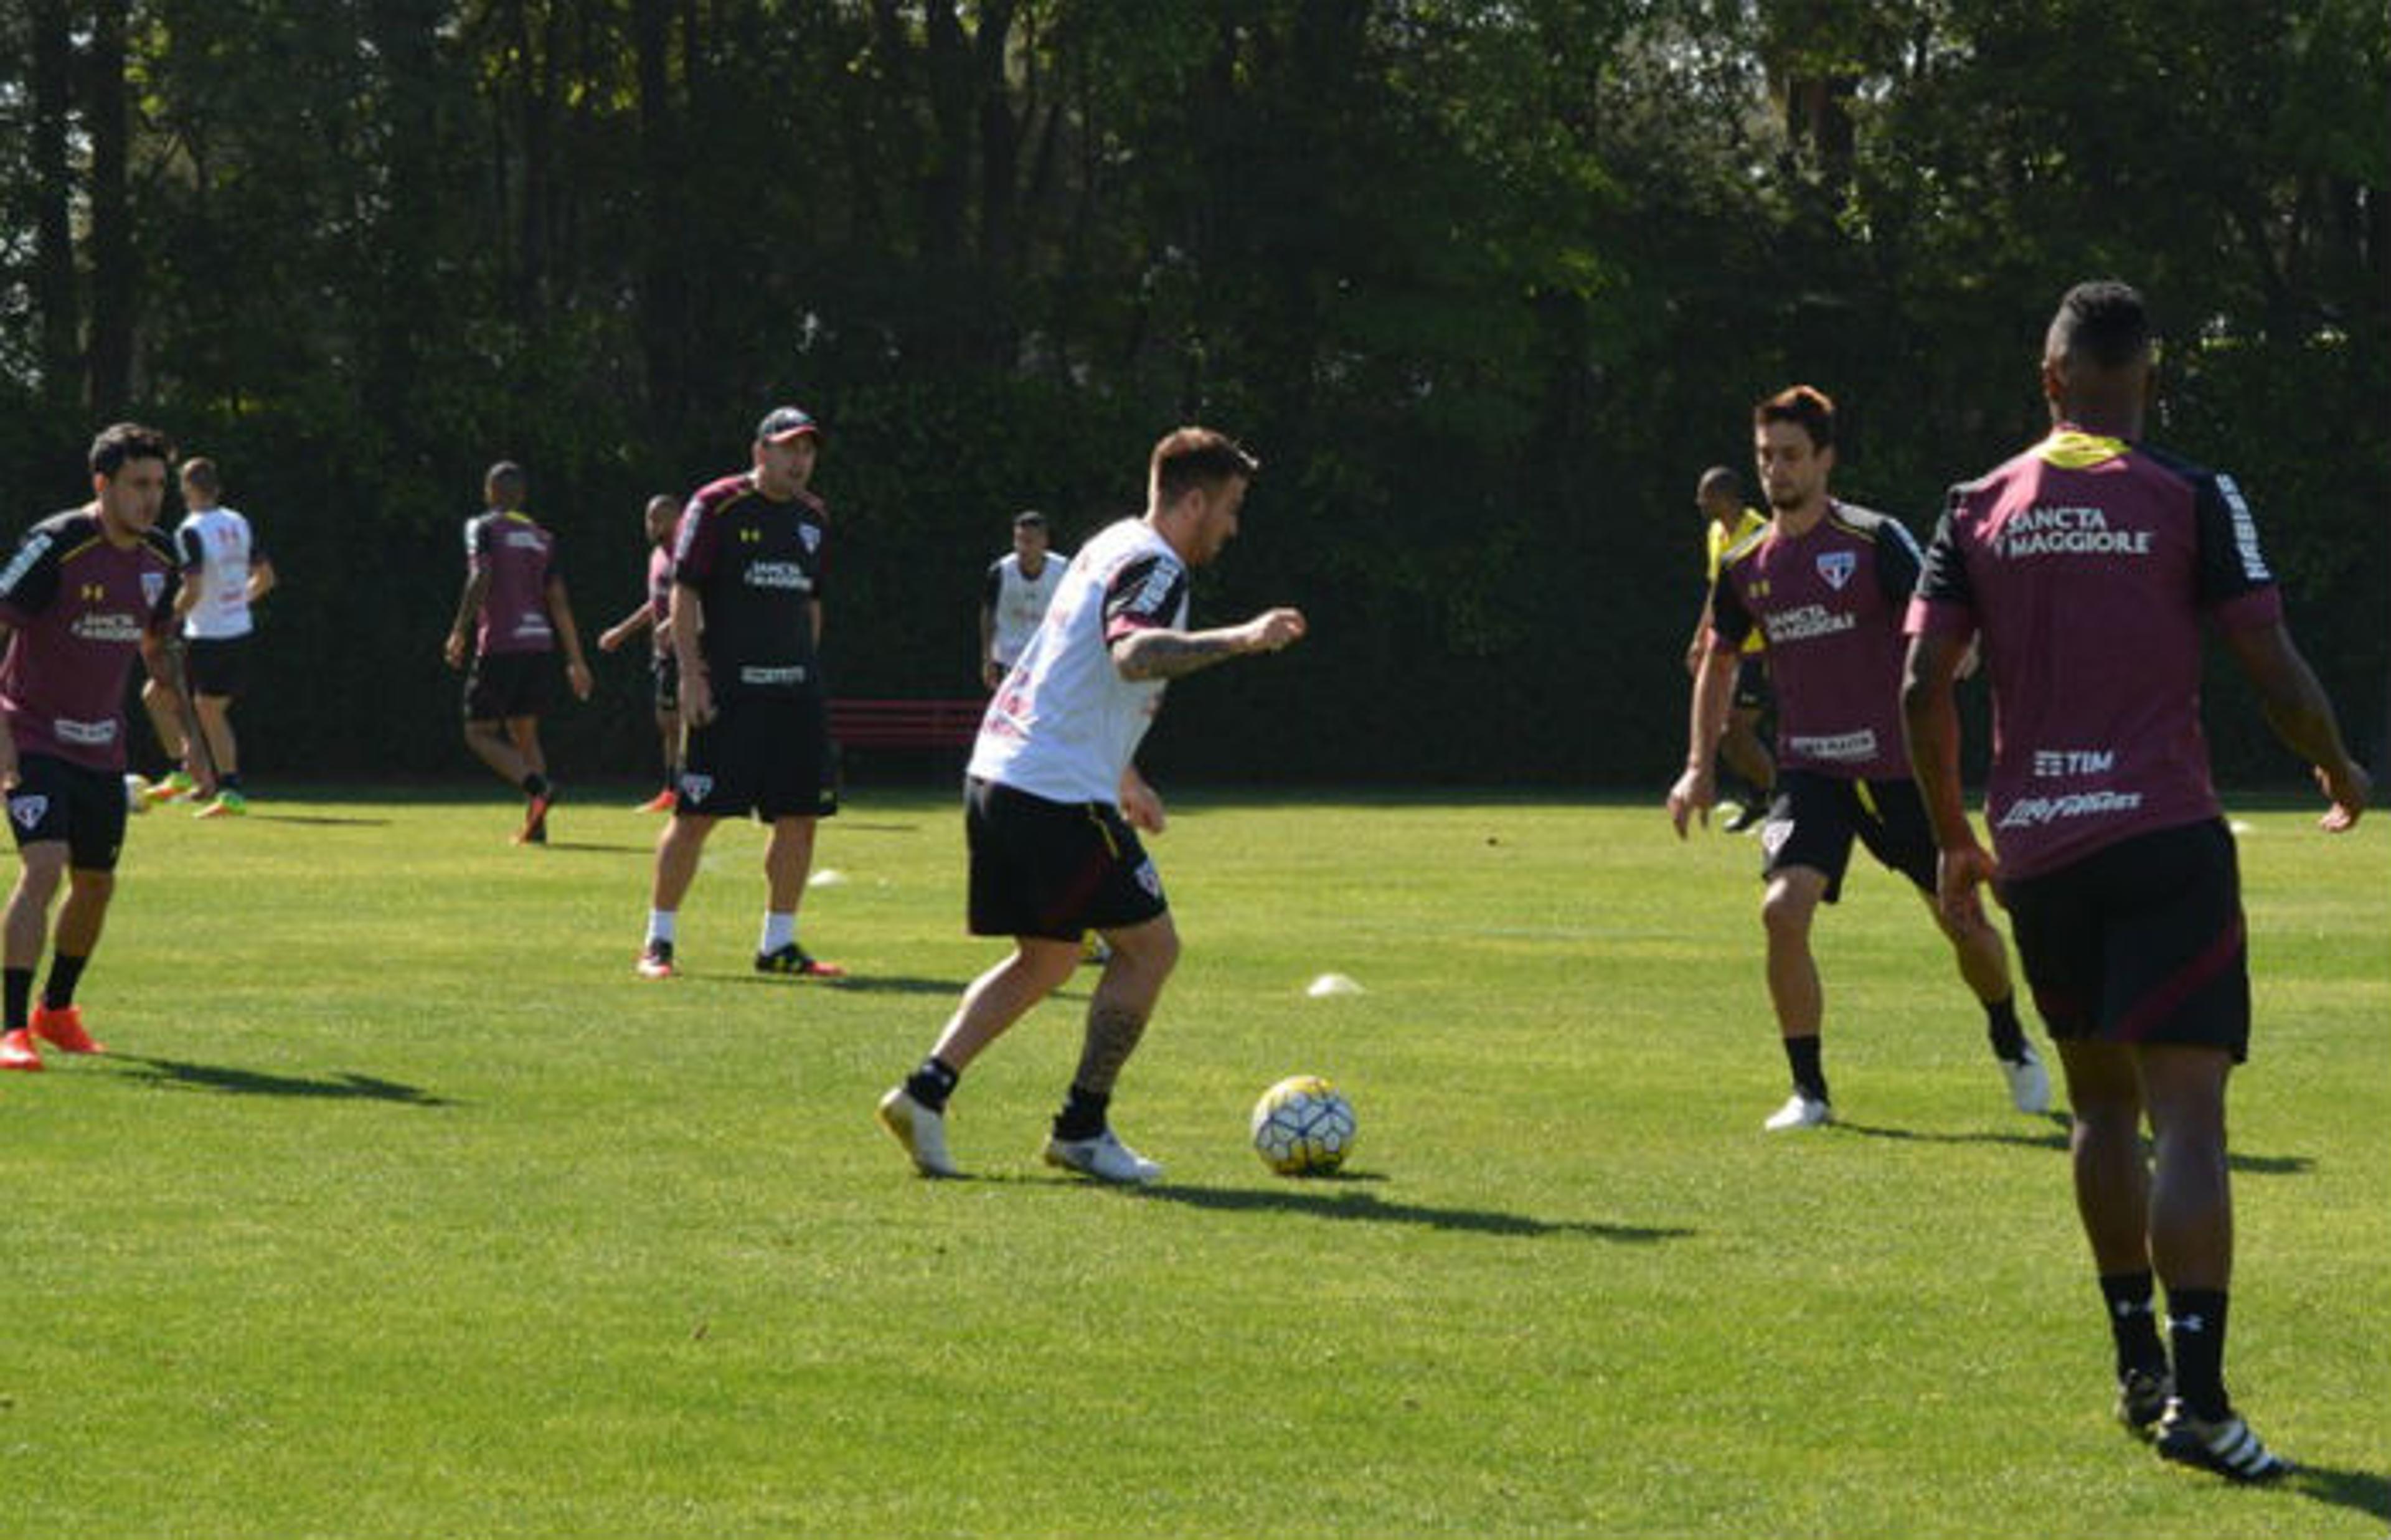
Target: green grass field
point(404, 1209)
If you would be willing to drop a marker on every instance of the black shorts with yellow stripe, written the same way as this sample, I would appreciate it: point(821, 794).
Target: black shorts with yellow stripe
point(1813, 820)
point(1053, 870)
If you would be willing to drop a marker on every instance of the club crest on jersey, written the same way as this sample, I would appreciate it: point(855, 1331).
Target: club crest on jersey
point(27, 811)
point(153, 588)
point(1836, 567)
point(811, 535)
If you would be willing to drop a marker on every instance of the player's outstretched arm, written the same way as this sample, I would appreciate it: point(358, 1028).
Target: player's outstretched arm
point(2302, 716)
point(1173, 654)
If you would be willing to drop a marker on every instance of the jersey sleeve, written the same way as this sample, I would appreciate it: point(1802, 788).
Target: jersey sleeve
point(30, 582)
point(1144, 596)
point(693, 547)
point(477, 545)
point(189, 548)
point(1896, 563)
point(1945, 596)
point(1731, 620)
point(2235, 586)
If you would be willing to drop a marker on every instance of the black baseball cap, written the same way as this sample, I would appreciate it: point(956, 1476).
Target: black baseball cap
point(783, 423)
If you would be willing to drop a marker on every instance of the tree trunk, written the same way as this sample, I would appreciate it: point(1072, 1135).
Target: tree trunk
point(53, 257)
point(112, 278)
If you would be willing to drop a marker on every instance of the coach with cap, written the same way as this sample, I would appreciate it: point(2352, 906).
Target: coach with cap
point(747, 629)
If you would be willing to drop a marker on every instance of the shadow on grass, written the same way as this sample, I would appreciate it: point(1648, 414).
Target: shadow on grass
point(1335, 1197)
point(2359, 1490)
point(256, 817)
point(181, 1074)
point(584, 847)
point(2257, 1165)
point(848, 984)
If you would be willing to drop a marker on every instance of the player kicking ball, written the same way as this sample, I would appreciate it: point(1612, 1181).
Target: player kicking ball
point(1053, 805)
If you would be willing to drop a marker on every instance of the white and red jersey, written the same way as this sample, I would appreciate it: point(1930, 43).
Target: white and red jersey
point(218, 549)
point(1064, 725)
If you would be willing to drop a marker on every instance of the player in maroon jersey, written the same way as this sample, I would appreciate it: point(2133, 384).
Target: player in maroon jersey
point(662, 521)
point(511, 618)
point(1827, 583)
point(2086, 568)
point(86, 590)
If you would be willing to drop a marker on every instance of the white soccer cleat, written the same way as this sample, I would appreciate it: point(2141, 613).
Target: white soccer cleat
point(1800, 1111)
point(1104, 1157)
point(920, 1131)
point(2029, 1082)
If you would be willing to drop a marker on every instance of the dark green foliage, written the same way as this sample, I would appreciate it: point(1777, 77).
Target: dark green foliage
point(1485, 285)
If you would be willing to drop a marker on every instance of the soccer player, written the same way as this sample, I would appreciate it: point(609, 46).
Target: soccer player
point(225, 573)
point(1726, 522)
point(746, 618)
point(1019, 587)
point(1054, 801)
point(2086, 566)
point(663, 522)
point(1827, 584)
point(86, 590)
point(511, 618)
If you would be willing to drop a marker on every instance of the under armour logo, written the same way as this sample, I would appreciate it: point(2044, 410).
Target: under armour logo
point(2194, 1324)
point(93, 593)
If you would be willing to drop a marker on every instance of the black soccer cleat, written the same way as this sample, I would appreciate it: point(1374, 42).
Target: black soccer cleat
point(2226, 1446)
point(792, 960)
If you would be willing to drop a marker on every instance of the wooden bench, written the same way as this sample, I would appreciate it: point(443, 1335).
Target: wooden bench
point(905, 723)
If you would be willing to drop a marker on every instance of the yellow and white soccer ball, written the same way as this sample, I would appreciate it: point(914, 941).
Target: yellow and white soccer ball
point(1303, 1126)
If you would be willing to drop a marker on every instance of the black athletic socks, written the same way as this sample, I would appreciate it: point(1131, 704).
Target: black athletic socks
point(933, 1084)
point(57, 990)
point(1802, 1053)
point(534, 785)
point(2001, 1026)
point(2133, 1321)
point(1082, 1116)
point(2196, 1332)
point(15, 998)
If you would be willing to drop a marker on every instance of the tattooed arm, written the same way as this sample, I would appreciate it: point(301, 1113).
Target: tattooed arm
point(1159, 654)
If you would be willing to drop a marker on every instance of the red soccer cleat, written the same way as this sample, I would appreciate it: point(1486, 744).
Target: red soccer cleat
point(16, 1051)
point(63, 1028)
point(663, 801)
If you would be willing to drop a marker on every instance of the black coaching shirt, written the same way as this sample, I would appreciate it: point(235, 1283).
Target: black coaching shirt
point(756, 566)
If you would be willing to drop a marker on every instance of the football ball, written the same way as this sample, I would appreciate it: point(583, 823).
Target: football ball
point(136, 794)
point(1303, 1126)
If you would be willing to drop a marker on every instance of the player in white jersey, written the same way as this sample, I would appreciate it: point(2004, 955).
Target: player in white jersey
point(1019, 587)
point(224, 571)
point(1054, 803)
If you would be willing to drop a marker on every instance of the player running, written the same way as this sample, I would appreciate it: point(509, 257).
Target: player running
point(1827, 583)
point(225, 571)
point(2086, 567)
point(1052, 803)
point(511, 618)
point(86, 590)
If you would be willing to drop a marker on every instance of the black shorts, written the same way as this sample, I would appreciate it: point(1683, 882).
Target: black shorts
point(505, 685)
point(764, 754)
point(2140, 942)
point(218, 665)
point(1751, 691)
point(1813, 819)
point(666, 670)
point(1053, 870)
point(84, 808)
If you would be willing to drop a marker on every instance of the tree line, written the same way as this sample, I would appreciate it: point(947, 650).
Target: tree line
point(1485, 283)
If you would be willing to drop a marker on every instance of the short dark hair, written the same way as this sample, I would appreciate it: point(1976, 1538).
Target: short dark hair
point(1718, 478)
point(1805, 406)
point(1029, 519)
point(1187, 458)
point(504, 471)
point(128, 441)
point(200, 472)
point(2102, 321)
